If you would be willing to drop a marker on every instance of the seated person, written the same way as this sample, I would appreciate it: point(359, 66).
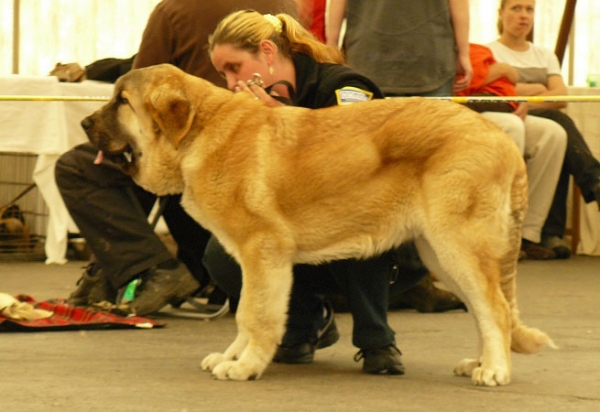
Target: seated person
point(110, 210)
point(540, 75)
point(542, 142)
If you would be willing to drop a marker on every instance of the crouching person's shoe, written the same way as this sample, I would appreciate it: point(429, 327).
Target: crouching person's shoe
point(92, 288)
point(380, 361)
point(160, 287)
point(305, 352)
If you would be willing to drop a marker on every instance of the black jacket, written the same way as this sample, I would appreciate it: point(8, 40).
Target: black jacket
point(316, 83)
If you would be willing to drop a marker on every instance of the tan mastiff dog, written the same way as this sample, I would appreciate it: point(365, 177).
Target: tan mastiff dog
point(281, 186)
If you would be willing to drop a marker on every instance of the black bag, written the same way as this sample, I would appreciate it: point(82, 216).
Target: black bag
point(480, 107)
point(108, 70)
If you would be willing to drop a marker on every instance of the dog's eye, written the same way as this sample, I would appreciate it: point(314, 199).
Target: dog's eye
point(122, 99)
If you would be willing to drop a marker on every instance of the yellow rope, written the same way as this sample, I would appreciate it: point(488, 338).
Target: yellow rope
point(519, 99)
point(16, 98)
point(456, 99)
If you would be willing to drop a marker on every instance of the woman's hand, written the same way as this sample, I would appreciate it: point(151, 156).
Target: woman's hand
point(464, 74)
point(258, 92)
point(521, 110)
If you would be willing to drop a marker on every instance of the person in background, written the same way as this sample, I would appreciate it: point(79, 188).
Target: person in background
point(408, 48)
point(312, 16)
point(111, 211)
point(542, 142)
point(540, 75)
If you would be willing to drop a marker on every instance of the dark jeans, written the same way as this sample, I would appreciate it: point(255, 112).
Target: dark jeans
point(101, 201)
point(365, 284)
point(579, 162)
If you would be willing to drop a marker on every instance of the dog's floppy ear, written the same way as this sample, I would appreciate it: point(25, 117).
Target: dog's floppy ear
point(172, 112)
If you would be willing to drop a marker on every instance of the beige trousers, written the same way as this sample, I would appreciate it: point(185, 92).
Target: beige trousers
point(543, 144)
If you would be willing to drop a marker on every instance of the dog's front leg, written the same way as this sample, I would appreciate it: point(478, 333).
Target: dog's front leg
point(261, 322)
point(234, 350)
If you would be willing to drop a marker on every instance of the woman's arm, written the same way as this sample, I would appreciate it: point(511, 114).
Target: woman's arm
point(459, 11)
point(499, 70)
point(336, 10)
point(556, 87)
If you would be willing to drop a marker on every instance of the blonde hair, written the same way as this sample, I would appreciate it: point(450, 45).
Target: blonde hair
point(246, 29)
point(499, 24)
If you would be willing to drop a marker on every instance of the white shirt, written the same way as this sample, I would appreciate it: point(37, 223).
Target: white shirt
point(534, 65)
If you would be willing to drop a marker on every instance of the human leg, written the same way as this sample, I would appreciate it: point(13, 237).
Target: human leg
point(542, 144)
point(191, 238)
point(99, 198)
point(365, 283)
point(579, 160)
point(580, 163)
point(545, 145)
point(510, 124)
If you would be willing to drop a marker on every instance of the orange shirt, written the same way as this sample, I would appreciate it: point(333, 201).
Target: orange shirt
point(481, 60)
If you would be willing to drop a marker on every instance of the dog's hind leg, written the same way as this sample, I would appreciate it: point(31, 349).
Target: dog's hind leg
point(476, 279)
point(261, 319)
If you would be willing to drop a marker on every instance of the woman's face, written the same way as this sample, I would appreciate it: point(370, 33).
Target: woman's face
point(235, 64)
point(517, 17)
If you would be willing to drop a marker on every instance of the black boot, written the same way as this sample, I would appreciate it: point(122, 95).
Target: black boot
point(92, 287)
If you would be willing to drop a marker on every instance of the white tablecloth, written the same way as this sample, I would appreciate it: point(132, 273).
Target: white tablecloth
point(47, 129)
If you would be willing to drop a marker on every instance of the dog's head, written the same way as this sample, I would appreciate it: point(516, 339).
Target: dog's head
point(143, 124)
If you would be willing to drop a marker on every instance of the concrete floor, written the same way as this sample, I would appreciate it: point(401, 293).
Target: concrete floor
point(157, 370)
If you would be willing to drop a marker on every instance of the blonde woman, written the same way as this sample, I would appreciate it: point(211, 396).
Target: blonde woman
point(298, 69)
point(540, 75)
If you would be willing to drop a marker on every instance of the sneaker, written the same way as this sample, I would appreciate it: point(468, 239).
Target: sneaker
point(379, 361)
point(558, 245)
point(305, 352)
point(160, 287)
point(535, 251)
point(92, 288)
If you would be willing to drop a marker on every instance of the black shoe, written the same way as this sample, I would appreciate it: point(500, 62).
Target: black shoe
point(558, 245)
point(160, 287)
point(305, 352)
point(92, 288)
point(380, 361)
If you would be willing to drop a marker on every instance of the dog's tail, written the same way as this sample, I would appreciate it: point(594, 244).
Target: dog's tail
point(523, 338)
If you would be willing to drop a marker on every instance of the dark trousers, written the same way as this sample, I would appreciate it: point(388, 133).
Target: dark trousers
point(579, 162)
point(102, 201)
point(364, 283)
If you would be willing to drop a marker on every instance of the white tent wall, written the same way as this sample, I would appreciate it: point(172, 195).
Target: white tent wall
point(65, 31)
point(52, 31)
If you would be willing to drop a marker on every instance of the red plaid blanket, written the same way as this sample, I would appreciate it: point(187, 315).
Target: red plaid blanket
point(67, 317)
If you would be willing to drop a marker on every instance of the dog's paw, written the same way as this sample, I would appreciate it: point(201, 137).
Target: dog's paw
point(483, 376)
point(466, 367)
point(236, 371)
point(210, 362)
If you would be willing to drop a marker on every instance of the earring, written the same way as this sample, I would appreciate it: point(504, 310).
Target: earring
point(271, 71)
